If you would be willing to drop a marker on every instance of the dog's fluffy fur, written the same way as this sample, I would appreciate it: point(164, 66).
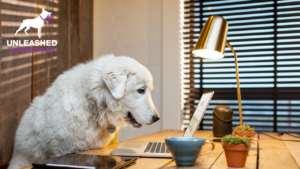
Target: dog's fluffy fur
point(73, 114)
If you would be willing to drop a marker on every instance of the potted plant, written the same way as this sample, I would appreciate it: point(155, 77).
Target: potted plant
point(244, 130)
point(236, 149)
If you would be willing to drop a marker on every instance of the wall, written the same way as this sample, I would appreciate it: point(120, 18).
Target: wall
point(171, 64)
point(134, 28)
point(25, 75)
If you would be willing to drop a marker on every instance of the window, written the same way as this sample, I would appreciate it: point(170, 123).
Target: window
point(266, 37)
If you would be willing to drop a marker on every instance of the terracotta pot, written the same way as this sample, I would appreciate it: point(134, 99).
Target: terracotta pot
point(236, 155)
point(248, 134)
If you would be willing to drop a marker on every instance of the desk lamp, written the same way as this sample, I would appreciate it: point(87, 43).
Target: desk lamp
point(211, 45)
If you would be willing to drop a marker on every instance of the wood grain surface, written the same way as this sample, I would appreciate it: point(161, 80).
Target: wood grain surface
point(293, 147)
point(274, 153)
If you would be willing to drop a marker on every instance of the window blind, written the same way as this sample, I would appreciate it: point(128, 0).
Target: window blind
point(266, 37)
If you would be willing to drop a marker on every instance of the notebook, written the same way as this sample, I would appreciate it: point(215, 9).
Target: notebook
point(84, 161)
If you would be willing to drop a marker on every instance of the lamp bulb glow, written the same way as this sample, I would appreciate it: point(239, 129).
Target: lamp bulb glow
point(208, 54)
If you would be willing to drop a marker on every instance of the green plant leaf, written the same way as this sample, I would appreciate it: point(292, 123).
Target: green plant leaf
point(230, 139)
point(243, 128)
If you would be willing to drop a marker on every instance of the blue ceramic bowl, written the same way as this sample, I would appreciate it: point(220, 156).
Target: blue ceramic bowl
point(185, 150)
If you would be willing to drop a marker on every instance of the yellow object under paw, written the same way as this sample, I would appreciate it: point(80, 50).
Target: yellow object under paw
point(115, 139)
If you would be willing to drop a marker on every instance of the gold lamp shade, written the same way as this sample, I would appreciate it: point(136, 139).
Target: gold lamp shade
point(212, 39)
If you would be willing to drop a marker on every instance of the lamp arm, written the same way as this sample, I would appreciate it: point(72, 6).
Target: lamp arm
point(237, 83)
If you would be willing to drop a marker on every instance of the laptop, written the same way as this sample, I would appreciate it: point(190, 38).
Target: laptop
point(159, 149)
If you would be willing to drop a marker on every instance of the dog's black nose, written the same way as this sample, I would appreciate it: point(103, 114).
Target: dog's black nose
point(155, 118)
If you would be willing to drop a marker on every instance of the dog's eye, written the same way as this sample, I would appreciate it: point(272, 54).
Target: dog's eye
point(141, 90)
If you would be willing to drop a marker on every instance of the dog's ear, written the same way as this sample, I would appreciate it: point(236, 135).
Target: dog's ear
point(116, 84)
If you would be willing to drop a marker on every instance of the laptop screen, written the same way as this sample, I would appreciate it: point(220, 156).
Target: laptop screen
point(198, 115)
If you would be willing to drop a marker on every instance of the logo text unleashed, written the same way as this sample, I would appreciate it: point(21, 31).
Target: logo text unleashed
point(32, 43)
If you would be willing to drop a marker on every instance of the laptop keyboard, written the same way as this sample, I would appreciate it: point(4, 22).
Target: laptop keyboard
point(156, 147)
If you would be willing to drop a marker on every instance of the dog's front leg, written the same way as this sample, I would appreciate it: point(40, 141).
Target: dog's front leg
point(39, 31)
point(19, 161)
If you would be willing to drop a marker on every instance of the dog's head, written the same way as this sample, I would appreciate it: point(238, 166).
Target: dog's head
point(130, 84)
point(45, 13)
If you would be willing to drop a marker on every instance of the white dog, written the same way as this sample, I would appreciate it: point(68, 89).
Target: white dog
point(37, 23)
point(74, 113)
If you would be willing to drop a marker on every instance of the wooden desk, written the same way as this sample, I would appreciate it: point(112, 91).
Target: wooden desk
point(215, 159)
point(273, 154)
point(278, 154)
